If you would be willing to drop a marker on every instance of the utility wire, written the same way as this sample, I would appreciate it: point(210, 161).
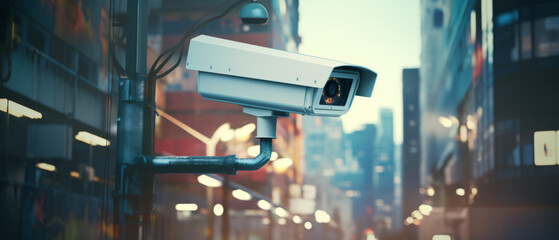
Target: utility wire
point(155, 68)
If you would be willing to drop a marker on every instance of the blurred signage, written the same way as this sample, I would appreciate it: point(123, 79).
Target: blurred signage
point(545, 148)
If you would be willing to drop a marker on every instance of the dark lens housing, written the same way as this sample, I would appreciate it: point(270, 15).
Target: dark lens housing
point(336, 91)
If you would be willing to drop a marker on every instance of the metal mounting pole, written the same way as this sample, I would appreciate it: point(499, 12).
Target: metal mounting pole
point(133, 188)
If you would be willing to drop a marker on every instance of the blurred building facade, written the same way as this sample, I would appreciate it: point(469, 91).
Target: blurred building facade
point(362, 144)
point(383, 175)
point(487, 78)
point(54, 96)
point(325, 162)
point(410, 149)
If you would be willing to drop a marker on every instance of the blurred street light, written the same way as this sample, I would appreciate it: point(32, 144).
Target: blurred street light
point(463, 134)
point(186, 207)
point(92, 139)
point(441, 237)
point(241, 195)
point(265, 221)
point(431, 191)
point(46, 167)
point(243, 133)
point(297, 219)
point(409, 220)
point(417, 215)
point(308, 225)
point(209, 181)
point(282, 164)
point(75, 174)
point(18, 110)
point(322, 216)
point(470, 123)
point(227, 135)
point(264, 205)
point(460, 192)
point(281, 212)
point(254, 150)
point(474, 191)
point(445, 122)
point(218, 135)
point(218, 209)
point(281, 221)
point(425, 209)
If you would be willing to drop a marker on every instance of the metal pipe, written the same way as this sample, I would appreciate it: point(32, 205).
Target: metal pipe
point(204, 164)
point(181, 164)
point(260, 160)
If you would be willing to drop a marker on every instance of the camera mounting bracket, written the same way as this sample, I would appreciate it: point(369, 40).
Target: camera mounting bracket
point(266, 121)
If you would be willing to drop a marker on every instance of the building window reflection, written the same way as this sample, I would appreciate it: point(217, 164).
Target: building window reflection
point(506, 35)
point(526, 38)
point(546, 32)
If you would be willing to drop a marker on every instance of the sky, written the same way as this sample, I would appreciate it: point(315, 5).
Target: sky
point(383, 36)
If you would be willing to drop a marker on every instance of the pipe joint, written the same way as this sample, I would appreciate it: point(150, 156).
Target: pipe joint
point(260, 160)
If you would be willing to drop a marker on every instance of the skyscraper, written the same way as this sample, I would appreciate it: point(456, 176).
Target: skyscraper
point(488, 80)
point(383, 174)
point(410, 149)
point(362, 143)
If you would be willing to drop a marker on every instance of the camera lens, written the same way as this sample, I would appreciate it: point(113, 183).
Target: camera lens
point(331, 89)
point(335, 91)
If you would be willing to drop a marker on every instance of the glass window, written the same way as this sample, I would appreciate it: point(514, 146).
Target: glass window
point(507, 44)
point(438, 18)
point(507, 144)
point(547, 36)
point(526, 38)
point(36, 37)
point(17, 28)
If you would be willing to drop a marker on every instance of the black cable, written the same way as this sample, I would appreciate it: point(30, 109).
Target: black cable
point(114, 47)
point(153, 70)
point(171, 68)
point(189, 33)
point(153, 76)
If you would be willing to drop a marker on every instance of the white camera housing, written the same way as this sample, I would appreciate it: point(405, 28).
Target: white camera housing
point(270, 79)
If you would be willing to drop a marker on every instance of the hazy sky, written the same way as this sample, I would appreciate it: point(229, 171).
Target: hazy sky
point(381, 35)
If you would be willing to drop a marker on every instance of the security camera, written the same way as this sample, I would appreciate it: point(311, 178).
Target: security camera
point(268, 84)
point(277, 81)
point(254, 13)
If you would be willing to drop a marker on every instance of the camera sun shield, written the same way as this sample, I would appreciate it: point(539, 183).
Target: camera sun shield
point(270, 79)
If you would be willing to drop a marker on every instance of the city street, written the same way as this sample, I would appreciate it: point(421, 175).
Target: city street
point(279, 119)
